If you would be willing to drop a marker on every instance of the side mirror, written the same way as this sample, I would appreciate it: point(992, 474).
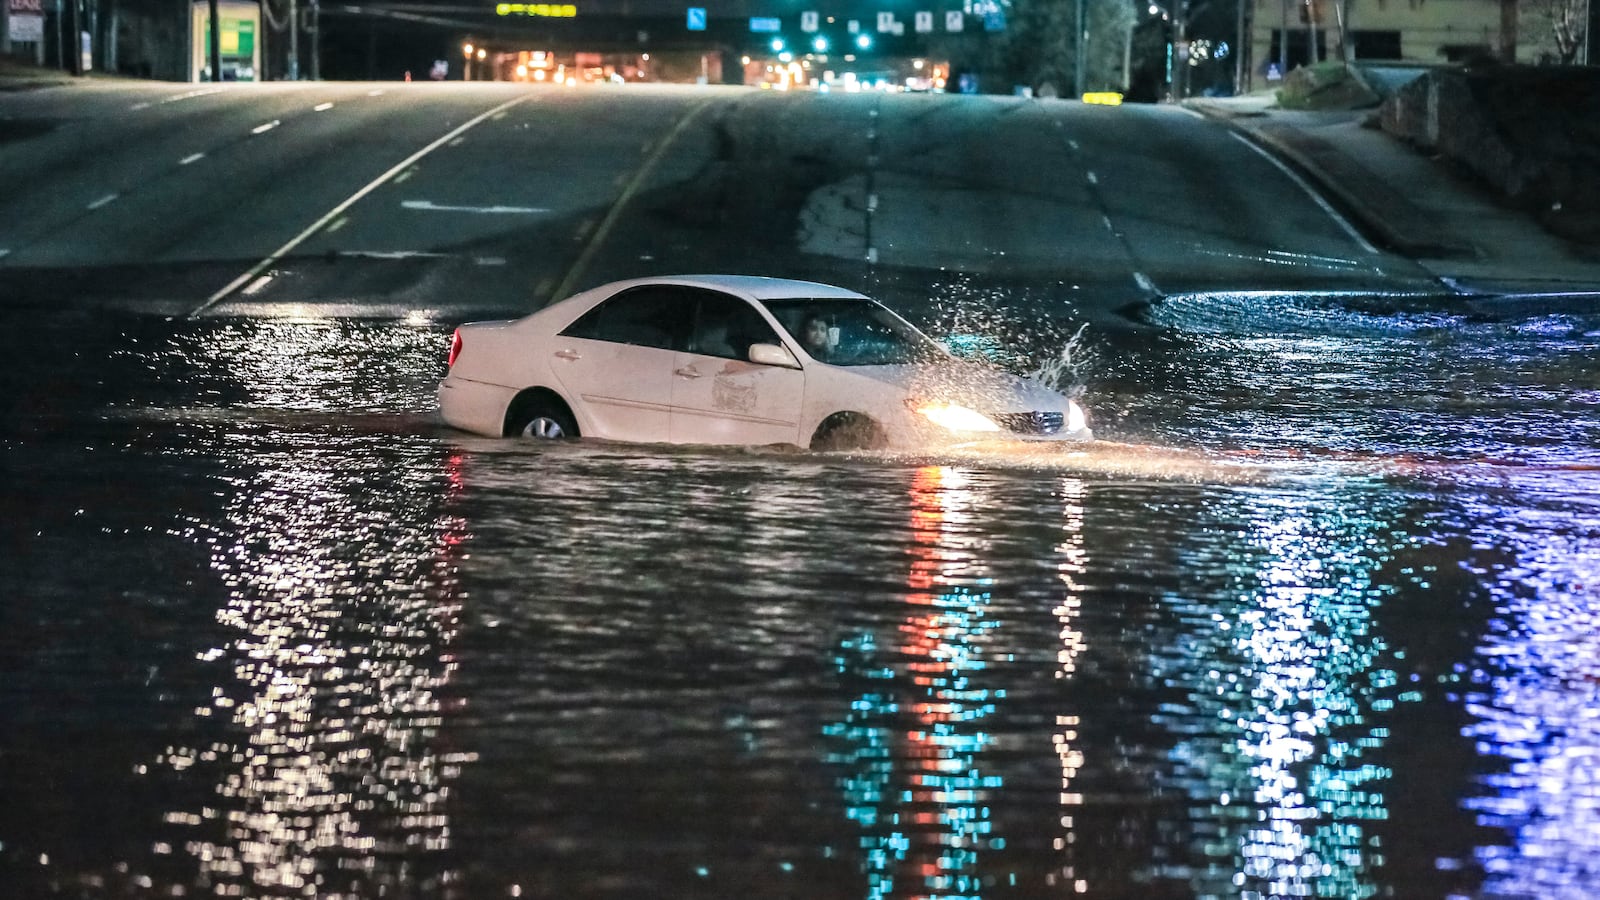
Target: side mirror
point(773, 355)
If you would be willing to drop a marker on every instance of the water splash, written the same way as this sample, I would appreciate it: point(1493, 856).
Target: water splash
point(1039, 335)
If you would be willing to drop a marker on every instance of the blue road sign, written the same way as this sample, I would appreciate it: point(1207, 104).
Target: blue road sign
point(697, 18)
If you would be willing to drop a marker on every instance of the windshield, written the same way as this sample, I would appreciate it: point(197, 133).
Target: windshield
point(853, 332)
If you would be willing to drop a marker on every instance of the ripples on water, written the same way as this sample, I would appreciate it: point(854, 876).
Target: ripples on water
point(1319, 620)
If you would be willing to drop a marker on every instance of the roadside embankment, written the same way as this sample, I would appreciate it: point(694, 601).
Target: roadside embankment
point(1532, 134)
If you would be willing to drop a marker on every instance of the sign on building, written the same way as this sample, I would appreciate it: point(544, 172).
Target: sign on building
point(27, 20)
point(808, 20)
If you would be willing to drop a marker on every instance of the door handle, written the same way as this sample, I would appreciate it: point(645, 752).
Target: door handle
point(687, 372)
point(568, 354)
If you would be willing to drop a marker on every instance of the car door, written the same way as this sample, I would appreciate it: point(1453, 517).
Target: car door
point(615, 362)
point(718, 395)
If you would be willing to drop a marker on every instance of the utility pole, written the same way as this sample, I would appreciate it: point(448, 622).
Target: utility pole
point(294, 41)
point(216, 41)
point(74, 58)
point(316, 41)
point(1240, 37)
point(1079, 64)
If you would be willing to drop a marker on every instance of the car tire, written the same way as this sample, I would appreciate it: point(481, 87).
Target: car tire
point(544, 420)
point(848, 431)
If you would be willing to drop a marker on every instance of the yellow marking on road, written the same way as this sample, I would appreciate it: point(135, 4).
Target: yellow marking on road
point(581, 264)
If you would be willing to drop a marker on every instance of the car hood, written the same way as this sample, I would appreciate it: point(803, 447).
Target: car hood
point(979, 387)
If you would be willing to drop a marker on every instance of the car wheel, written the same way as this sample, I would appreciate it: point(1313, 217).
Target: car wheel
point(848, 431)
point(545, 421)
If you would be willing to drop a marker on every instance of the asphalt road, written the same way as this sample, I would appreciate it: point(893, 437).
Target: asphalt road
point(458, 199)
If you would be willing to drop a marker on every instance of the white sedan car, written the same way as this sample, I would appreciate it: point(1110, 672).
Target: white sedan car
point(731, 359)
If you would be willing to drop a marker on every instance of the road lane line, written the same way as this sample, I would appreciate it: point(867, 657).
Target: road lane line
point(4, 253)
point(431, 206)
point(1326, 206)
point(586, 255)
point(256, 286)
point(342, 222)
point(191, 158)
point(265, 127)
point(1144, 281)
point(405, 176)
point(348, 202)
point(322, 107)
point(1093, 179)
point(103, 201)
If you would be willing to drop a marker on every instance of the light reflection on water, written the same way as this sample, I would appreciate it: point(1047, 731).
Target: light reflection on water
point(1278, 641)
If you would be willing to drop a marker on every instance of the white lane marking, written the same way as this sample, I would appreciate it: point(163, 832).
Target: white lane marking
point(1107, 220)
point(376, 93)
point(265, 127)
point(174, 99)
point(191, 158)
point(489, 260)
point(322, 107)
point(1194, 112)
point(1312, 257)
point(1144, 281)
point(1072, 143)
point(394, 254)
point(256, 286)
point(348, 202)
point(872, 203)
point(432, 207)
point(1093, 179)
point(1326, 207)
point(4, 253)
point(103, 201)
point(872, 255)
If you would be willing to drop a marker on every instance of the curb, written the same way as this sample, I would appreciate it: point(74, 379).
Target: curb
point(1313, 158)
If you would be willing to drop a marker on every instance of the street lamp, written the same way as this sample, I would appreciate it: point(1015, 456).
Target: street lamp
point(466, 67)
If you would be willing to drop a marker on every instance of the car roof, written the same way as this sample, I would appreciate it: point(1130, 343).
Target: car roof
point(756, 287)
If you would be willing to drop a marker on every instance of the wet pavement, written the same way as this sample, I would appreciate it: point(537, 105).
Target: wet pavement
point(1316, 618)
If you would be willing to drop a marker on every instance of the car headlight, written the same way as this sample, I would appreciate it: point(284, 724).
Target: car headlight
point(953, 417)
point(1075, 417)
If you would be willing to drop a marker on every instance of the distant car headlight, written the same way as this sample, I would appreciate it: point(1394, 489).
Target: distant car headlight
point(953, 417)
point(1075, 417)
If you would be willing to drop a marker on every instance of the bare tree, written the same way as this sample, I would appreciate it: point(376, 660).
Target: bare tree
point(1568, 22)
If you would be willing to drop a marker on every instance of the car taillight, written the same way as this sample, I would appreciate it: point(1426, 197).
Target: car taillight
point(455, 348)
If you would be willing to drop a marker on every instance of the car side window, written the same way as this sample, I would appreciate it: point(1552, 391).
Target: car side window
point(726, 326)
point(649, 316)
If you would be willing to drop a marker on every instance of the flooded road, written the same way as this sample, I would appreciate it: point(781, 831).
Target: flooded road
point(1318, 617)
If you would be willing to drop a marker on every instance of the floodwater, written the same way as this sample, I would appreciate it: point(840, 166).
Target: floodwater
point(1320, 617)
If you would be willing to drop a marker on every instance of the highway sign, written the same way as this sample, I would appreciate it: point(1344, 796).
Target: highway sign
point(924, 20)
point(808, 20)
point(954, 20)
point(697, 18)
point(765, 24)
